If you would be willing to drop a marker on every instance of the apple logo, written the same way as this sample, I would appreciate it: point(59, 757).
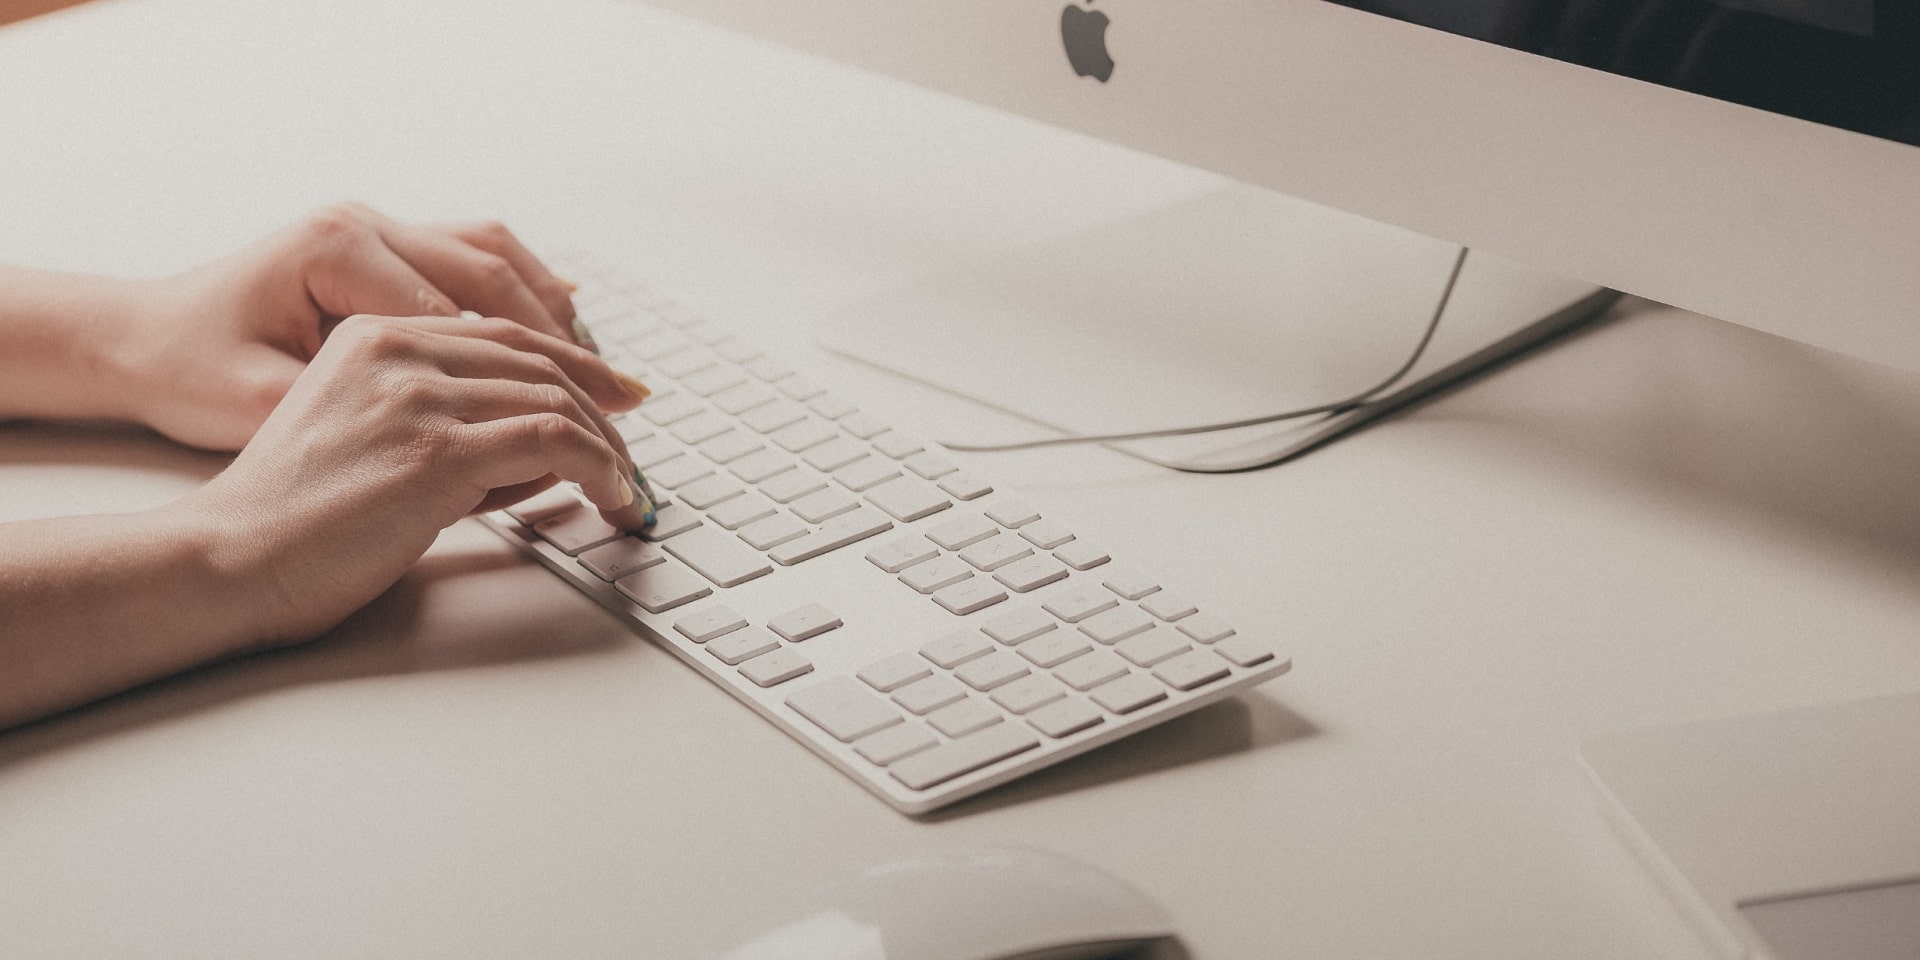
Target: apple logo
point(1085, 34)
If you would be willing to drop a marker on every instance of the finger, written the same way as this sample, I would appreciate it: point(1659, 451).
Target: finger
point(476, 279)
point(508, 496)
point(517, 450)
point(555, 293)
point(359, 273)
point(609, 388)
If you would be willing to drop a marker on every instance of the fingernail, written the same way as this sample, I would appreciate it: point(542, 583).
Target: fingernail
point(635, 387)
point(569, 284)
point(583, 336)
point(628, 490)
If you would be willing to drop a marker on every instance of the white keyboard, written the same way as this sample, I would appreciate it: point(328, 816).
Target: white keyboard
point(926, 633)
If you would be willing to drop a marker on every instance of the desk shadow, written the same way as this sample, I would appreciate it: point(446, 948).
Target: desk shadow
point(381, 639)
point(1774, 429)
point(1238, 724)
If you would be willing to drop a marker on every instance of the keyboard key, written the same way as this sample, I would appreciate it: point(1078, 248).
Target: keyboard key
point(992, 554)
point(1129, 693)
point(714, 379)
point(969, 596)
point(895, 672)
point(769, 532)
point(897, 445)
point(830, 406)
point(738, 351)
point(709, 490)
point(1091, 670)
point(730, 446)
point(653, 451)
point(834, 454)
point(835, 533)
point(803, 434)
point(823, 504)
point(1195, 668)
point(1080, 603)
point(611, 561)
point(792, 485)
point(1081, 555)
point(678, 471)
point(1244, 651)
point(1028, 693)
point(956, 648)
point(895, 742)
point(661, 344)
point(1032, 573)
point(991, 671)
point(803, 623)
point(929, 464)
point(865, 474)
point(960, 719)
point(908, 499)
point(1116, 625)
point(759, 465)
point(965, 486)
point(1168, 606)
point(545, 505)
point(738, 400)
point(965, 755)
point(1012, 513)
point(844, 708)
point(1149, 648)
point(633, 429)
point(576, 531)
point(701, 427)
point(799, 387)
point(1129, 583)
point(1019, 626)
point(1046, 534)
point(719, 556)
point(683, 363)
point(866, 426)
point(665, 411)
point(770, 417)
point(662, 588)
point(767, 368)
point(963, 531)
point(1206, 628)
point(1054, 649)
point(777, 667)
point(704, 625)
point(740, 511)
point(671, 520)
point(903, 552)
point(928, 694)
point(933, 574)
point(1065, 717)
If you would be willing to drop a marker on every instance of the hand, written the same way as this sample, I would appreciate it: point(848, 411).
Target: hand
point(395, 430)
point(206, 355)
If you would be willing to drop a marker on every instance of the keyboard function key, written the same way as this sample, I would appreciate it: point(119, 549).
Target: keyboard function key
point(611, 561)
point(804, 623)
point(895, 742)
point(1130, 584)
point(662, 588)
point(902, 552)
point(990, 671)
point(969, 596)
point(965, 486)
point(963, 531)
point(1129, 693)
point(969, 753)
point(1028, 693)
point(1149, 648)
point(1195, 668)
point(1080, 603)
point(1013, 514)
point(895, 672)
point(928, 694)
point(777, 667)
point(908, 499)
point(703, 625)
point(719, 556)
point(1019, 626)
point(1065, 717)
point(844, 708)
point(960, 719)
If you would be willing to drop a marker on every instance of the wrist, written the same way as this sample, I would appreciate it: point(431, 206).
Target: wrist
point(226, 562)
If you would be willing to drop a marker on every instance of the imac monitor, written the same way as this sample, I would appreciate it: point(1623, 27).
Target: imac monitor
point(1752, 160)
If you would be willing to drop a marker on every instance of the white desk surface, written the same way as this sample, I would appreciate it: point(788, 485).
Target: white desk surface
point(1664, 518)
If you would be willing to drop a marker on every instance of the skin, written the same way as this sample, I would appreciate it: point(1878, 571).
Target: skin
point(369, 415)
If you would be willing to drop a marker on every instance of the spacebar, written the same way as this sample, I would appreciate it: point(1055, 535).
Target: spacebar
point(969, 753)
point(718, 556)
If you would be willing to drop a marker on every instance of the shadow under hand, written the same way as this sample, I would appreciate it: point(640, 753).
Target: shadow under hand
point(382, 639)
point(1237, 724)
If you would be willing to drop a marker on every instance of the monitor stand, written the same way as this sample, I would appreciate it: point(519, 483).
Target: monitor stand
point(1231, 303)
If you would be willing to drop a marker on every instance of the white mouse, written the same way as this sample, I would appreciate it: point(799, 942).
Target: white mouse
point(985, 904)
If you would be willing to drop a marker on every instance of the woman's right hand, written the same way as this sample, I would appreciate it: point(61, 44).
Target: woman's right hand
point(397, 429)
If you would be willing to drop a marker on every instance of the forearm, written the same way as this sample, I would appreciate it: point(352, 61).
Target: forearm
point(93, 605)
point(59, 339)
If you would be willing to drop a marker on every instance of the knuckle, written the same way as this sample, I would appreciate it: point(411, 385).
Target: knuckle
point(494, 272)
point(491, 234)
point(552, 398)
point(335, 224)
